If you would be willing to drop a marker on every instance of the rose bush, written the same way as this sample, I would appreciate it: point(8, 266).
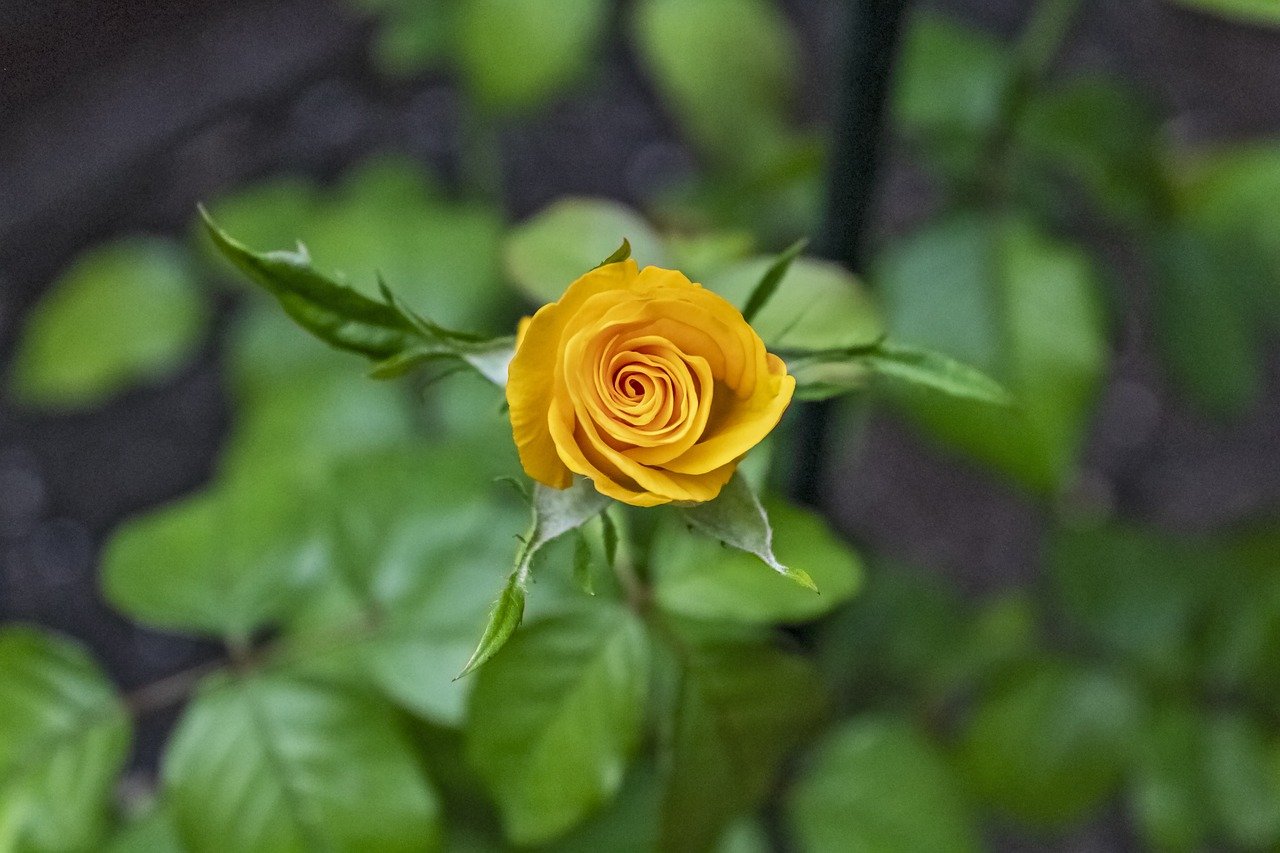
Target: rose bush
point(647, 383)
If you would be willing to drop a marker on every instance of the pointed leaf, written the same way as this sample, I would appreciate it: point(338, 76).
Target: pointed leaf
point(582, 565)
point(336, 314)
point(505, 617)
point(555, 512)
point(772, 277)
point(620, 254)
point(738, 520)
point(936, 372)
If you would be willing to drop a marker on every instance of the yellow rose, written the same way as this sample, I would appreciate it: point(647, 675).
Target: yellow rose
point(647, 383)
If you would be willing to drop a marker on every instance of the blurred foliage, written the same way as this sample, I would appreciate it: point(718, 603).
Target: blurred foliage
point(347, 548)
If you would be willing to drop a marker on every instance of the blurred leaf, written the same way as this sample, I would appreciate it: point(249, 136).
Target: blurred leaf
point(1135, 594)
point(727, 70)
point(1207, 319)
point(226, 561)
point(1049, 745)
point(125, 313)
point(1169, 797)
point(267, 352)
point(996, 295)
point(563, 242)
point(515, 54)
point(556, 717)
point(703, 255)
point(817, 306)
point(697, 577)
point(64, 738)
point(627, 824)
point(1243, 774)
point(273, 763)
point(153, 832)
point(736, 518)
point(736, 709)
point(1105, 136)
point(877, 785)
point(555, 513)
point(904, 633)
point(412, 36)
point(300, 428)
point(952, 82)
point(1266, 12)
point(1242, 631)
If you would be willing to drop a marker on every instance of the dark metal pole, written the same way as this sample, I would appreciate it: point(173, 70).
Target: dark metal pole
point(871, 42)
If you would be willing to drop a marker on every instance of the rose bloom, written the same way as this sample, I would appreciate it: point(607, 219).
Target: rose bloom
point(649, 384)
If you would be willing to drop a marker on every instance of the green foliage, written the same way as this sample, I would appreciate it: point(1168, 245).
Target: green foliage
point(877, 785)
point(126, 313)
point(64, 735)
point(1019, 306)
point(270, 762)
point(561, 750)
point(1050, 742)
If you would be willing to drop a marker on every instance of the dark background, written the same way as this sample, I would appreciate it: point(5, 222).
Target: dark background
point(118, 116)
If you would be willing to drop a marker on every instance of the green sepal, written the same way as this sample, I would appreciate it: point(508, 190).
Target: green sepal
point(737, 518)
point(619, 255)
point(772, 277)
point(555, 512)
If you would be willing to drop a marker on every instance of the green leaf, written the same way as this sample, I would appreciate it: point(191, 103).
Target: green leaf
point(412, 37)
point(560, 244)
point(1169, 796)
point(819, 377)
point(515, 54)
point(555, 512)
point(697, 577)
point(950, 90)
point(64, 738)
point(226, 561)
point(1243, 774)
point(994, 294)
point(727, 70)
point(152, 832)
point(619, 255)
point(388, 331)
point(273, 763)
point(1050, 744)
point(1207, 318)
point(817, 306)
point(737, 519)
point(556, 718)
point(125, 313)
point(879, 785)
point(1103, 136)
point(336, 314)
point(772, 277)
point(1135, 594)
point(269, 213)
point(1264, 12)
point(736, 709)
